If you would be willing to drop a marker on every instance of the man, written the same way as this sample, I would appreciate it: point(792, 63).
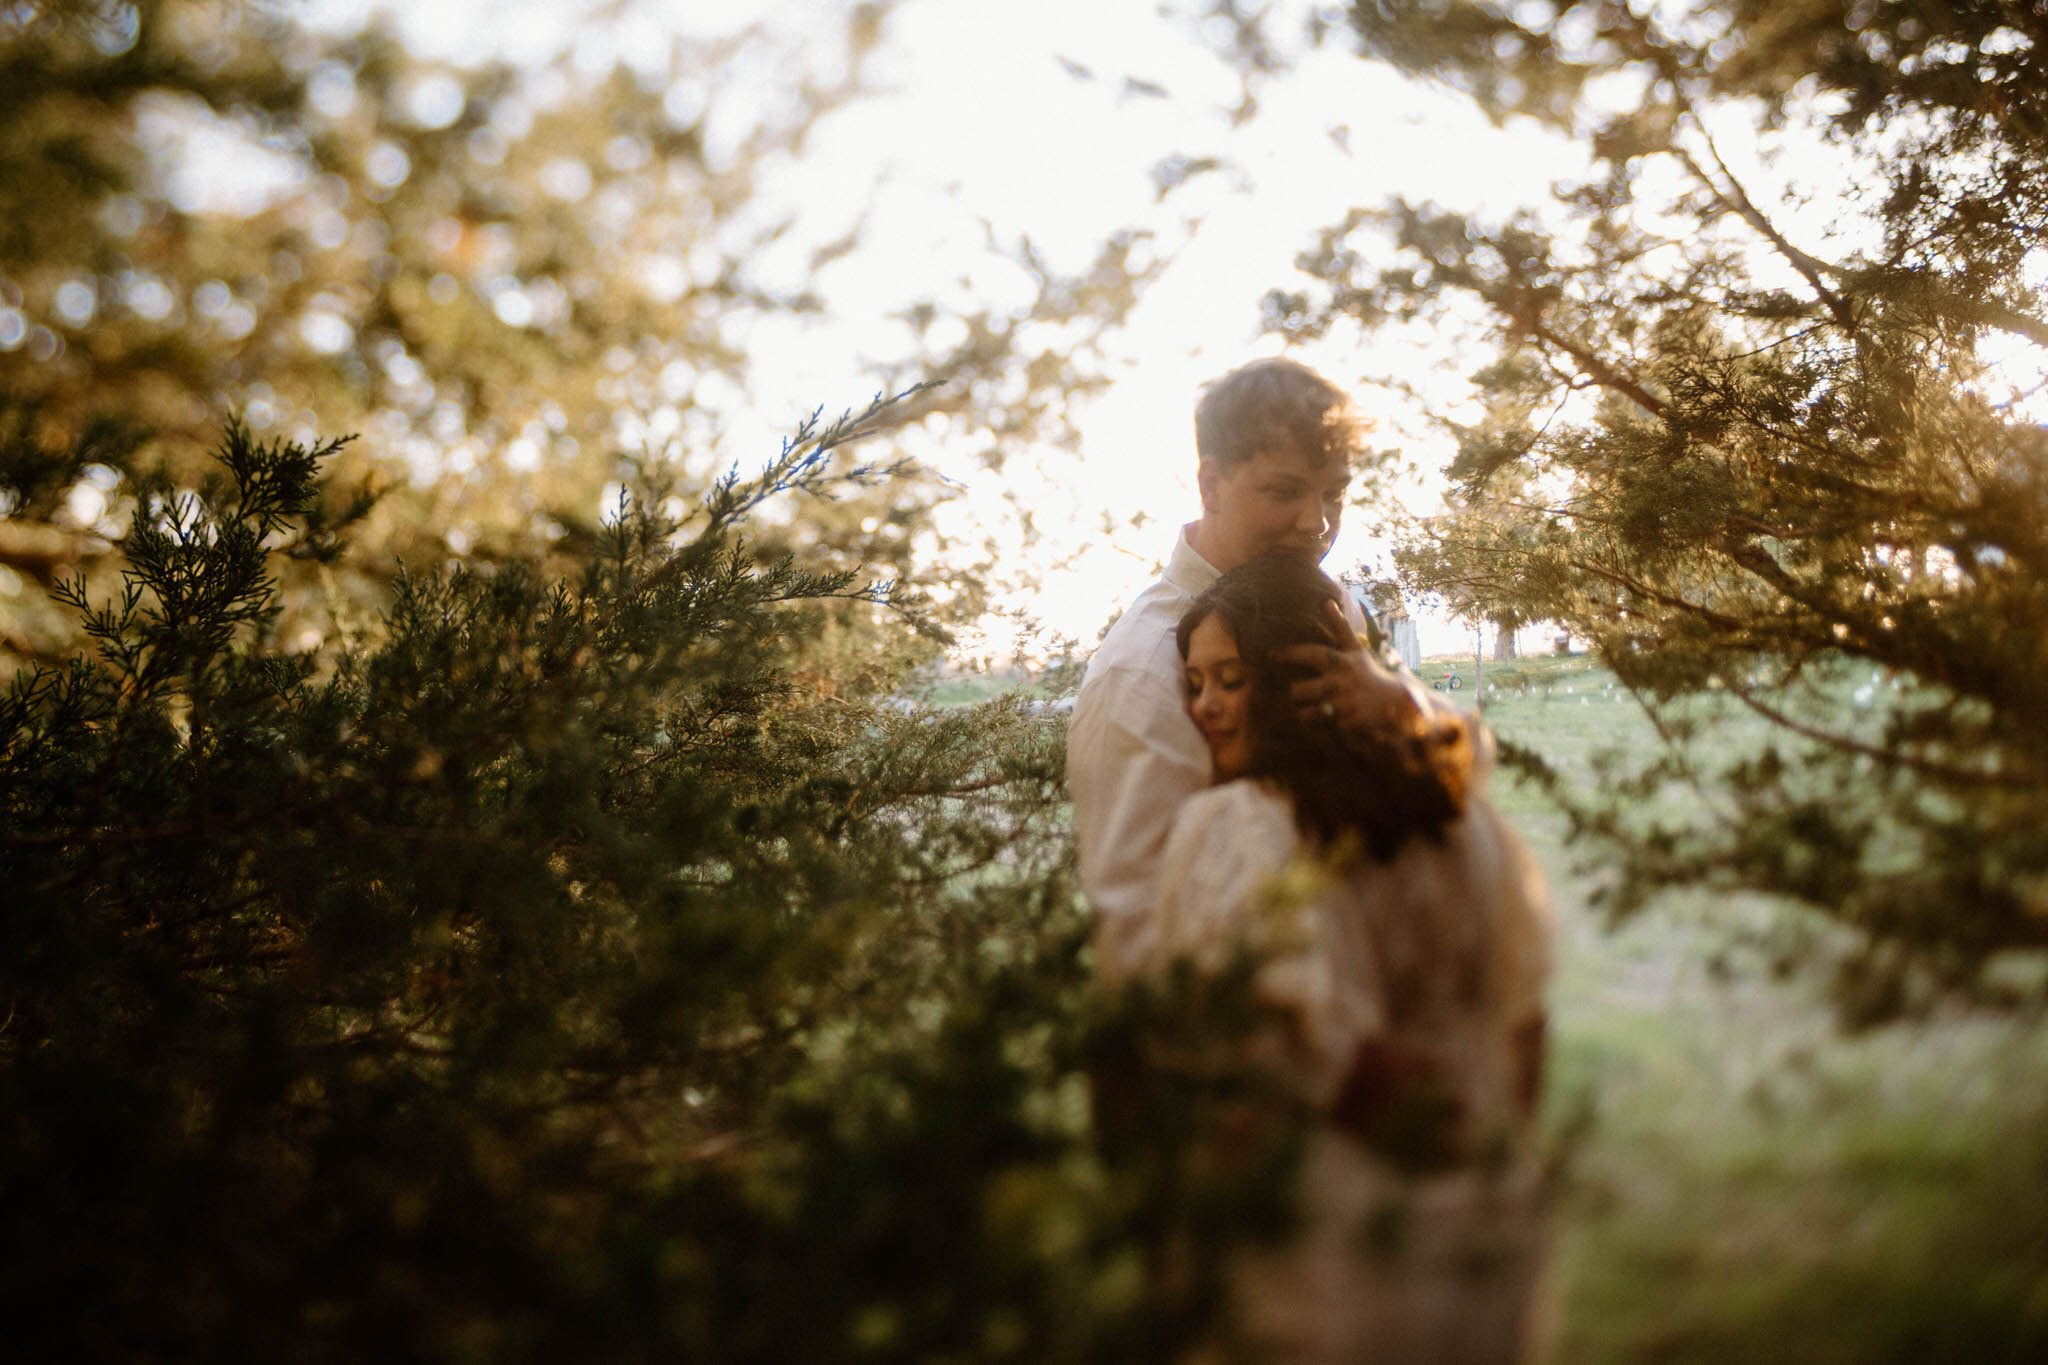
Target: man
point(1275, 442)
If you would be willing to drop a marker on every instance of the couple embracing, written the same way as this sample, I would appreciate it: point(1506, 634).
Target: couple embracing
point(1247, 776)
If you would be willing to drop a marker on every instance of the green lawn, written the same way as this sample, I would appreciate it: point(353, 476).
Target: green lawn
point(1741, 1181)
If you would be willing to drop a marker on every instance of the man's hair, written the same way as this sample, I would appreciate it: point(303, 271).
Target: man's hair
point(1278, 405)
point(1381, 789)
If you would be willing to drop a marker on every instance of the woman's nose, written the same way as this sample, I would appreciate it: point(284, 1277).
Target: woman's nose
point(1310, 521)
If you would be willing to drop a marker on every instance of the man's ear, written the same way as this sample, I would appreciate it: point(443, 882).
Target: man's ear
point(1208, 475)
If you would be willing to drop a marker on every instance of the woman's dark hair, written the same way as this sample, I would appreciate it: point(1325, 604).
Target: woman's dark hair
point(1381, 791)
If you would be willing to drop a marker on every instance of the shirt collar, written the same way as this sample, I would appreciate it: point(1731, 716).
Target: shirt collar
point(1187, 570)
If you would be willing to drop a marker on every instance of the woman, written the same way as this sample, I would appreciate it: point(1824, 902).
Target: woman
point(1403, 932)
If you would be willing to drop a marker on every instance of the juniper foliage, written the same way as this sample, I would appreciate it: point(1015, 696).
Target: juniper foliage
point(568, 968)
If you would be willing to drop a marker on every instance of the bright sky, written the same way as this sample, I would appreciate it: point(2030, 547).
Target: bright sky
point(987, 121)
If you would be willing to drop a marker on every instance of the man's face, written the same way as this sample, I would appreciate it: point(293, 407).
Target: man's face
point(1273, 503)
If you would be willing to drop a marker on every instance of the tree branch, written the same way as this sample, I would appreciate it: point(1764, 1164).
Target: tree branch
point(1737, 200)
point(1645, 591)
point(1968, 777)
point(1598, 370)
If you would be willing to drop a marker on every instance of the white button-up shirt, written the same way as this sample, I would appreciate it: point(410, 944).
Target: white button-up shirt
point(1133, 755)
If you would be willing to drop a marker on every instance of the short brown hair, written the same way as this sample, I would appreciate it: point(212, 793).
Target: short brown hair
point(1279, 405)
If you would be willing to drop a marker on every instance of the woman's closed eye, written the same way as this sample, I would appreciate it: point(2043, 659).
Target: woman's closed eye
point(1225, 679)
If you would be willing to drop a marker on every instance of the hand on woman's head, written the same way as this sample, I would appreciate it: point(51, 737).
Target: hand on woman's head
point(1340, 685)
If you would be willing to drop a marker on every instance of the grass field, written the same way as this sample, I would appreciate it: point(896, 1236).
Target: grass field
point(1740, 1180)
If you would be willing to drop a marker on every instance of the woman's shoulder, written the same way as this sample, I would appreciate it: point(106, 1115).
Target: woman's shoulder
point(1243, 806)
point(1230, 840)
point(1229, 844)
point(1243, 796)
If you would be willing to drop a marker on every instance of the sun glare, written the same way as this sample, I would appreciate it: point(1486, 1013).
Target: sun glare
point(1063, 124)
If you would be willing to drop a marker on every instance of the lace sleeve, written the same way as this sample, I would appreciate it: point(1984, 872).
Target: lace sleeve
point(1235, 877)
point(1224, 850)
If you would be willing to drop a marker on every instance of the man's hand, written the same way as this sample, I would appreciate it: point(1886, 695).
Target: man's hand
point(1349, 691)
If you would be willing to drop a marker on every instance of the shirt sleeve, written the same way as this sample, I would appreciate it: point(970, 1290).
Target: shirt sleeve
point(1132, 758)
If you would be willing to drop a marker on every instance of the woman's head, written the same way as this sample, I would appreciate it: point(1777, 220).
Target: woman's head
point(1237, 691)
point(1380, 789)
point(1218, 687)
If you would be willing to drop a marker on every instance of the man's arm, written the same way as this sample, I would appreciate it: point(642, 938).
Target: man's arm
point(1132, 758)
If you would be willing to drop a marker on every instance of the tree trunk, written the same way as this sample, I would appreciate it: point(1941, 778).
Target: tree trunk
point(1504, 639)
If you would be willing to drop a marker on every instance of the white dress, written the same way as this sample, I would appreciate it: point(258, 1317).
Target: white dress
point(1443, 947)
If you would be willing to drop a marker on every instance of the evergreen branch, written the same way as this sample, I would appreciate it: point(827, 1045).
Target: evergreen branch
point(1733, 196)
point(207, 914)
point(1595, 368)
point(1812, 445)
point(1737, 200)
point(1870, 639)
point(1567, 513)
point(1788, 338)
point(1679, 752)
point(1642, 590)
point(1975, 309)
point(53, 838)
point(950, 790)
point(801, 464)
point(1758, 561)
point(800, 467)
point(212, 960)
point(1963, 777)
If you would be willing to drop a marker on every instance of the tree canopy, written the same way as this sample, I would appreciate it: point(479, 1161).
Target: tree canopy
point(1761, 420)
point(517, 283)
